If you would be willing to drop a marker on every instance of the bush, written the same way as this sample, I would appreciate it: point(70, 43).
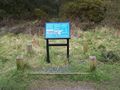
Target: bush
point(91, 10)
point(3, 14)
point(40, 13)
point(108, 56)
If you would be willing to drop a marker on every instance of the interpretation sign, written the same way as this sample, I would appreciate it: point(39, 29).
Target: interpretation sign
point(57, 30)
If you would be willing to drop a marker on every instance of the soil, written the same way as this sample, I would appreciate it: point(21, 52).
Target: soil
point(61, 85)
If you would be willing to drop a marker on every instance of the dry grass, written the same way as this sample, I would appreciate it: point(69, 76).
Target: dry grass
point(13, 45)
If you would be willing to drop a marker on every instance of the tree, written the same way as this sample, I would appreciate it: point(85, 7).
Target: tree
point(92, 10)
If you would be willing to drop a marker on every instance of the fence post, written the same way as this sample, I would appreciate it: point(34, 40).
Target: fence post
point(85, 47)
point(93, 63)
point(19, 62)
point(29, 48)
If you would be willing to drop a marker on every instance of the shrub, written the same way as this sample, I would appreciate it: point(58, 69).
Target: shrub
point(108, 56)
point(91, 10)
point(3, 14)
point(40, 13)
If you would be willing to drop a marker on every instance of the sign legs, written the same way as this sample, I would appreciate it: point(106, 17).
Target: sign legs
point(48, 45)
point(68, 49)
point(47, 50)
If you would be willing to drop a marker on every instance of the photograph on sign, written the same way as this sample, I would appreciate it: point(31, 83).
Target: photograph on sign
point(57, 30)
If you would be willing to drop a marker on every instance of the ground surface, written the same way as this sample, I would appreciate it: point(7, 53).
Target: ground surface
point(106, 77)
point(60, 85)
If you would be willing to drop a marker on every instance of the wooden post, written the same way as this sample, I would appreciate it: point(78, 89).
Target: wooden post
point(41, 32)
point(29, 48)
point(19, 62)
point(35, 42)
point(85, 47)
point(93, 63)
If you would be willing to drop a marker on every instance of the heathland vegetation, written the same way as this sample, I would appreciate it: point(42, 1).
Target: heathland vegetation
point(94, 45)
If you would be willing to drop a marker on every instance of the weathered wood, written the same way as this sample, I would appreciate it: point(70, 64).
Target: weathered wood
point(41, 32)
point(117, 33)
point(29, 48)
point(85, 47)
point(93, 63)
point(19, 62)
point(35, 42)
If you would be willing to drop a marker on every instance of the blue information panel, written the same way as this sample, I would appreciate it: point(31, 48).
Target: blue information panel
point(57, 30)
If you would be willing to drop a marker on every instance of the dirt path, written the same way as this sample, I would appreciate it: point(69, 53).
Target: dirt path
point(61, 85)
point(69, 88)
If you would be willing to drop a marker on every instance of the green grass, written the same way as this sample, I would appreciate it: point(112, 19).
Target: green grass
point(107, 73)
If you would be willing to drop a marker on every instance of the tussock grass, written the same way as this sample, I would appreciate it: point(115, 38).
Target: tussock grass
point(13, 45)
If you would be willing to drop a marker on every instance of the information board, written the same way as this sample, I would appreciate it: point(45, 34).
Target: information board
point(57, 30)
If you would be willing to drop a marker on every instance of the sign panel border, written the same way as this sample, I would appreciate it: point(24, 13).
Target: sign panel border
point(58, 23)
